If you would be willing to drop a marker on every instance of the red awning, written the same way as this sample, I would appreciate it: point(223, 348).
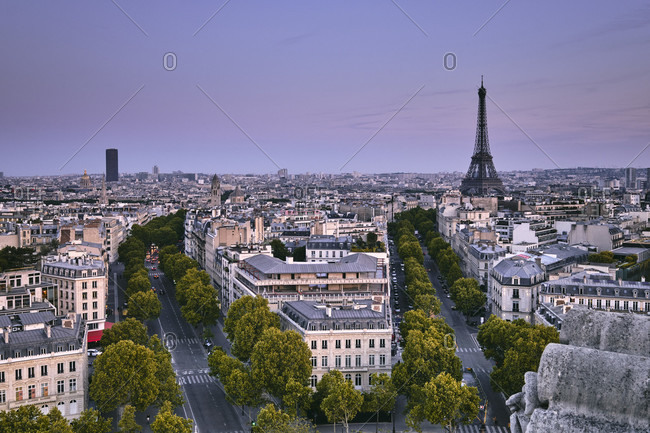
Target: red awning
point(96, 335)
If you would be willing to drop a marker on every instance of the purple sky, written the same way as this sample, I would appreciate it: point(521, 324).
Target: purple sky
point(311, 82)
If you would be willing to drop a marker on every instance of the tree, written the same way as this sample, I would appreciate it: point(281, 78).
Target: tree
point(201, 305)
point(468, 297)
point(178, 264)
point(453, 274)
point(250, 328)
point(437, 245)
point(23, 419)
point(297, 396)
point(516, 347)
point(279, 357)
point(124, 374)
point(127, 423)
point(371, 239)
point(341, 401)
point(271, 420)
point(279, 250)
point(382, 395)
point(602, 257)
point(168, 390)
point(53, 422)
point(164, 236)
point(446, 402)
point(163, 255)
point(417, 320)
point(429, 304)
point(168, 422)
point(411, 249)
point(425, 356)
point(236, 378)
point(238, 309)
point(91, 421)
point(138, 284)
point(192, 276)
point(300, 254)
point(144, 305)
point(129, 329)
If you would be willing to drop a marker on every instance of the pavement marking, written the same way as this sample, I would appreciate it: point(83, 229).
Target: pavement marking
point(477, 429)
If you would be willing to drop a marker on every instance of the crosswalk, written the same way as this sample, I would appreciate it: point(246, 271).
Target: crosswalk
point(467, 349)
point(195, 379)
point(188, 341)
point(477, 429)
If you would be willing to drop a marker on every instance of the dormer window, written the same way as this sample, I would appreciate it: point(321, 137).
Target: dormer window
point(515, 280)
point(635, 293)
point(598, 291)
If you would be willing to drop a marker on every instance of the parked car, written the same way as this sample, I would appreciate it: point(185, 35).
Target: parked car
point(207, 343)
point(94, 352)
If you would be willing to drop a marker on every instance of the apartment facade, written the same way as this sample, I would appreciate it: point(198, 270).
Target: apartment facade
point(43, 362)
point(82, 287)
point(515, 286)
point(352, 338)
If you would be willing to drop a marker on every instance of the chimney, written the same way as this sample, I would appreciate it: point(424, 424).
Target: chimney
point(48, 330)
point(642, 279)
point(289, 259)
point(620, 281)
point(5, 333)
point(538, 261)
point(328, 310)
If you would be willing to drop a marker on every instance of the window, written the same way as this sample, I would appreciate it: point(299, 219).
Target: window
point(43, 350)
point(84, 295)
point(84, 306)
point(19, 374)
point(30, 372)
point(61, 407)
point(313, 361)
point(84, 285)
point(357, 344)
point(313, 381)
point(3, 396)
point(357, 360)
point(337, 344)
point(94, 285)
point(337, 361)
point(2, 376)
point(371, 360)
point(323, 344)
point(94, 295)
point(515, 293)
point(515, 306)
point(357, 379)
point(348, 344)
point(314, 345)
point(599, 304)
point(95, 305)
point(73, 384)
point(60, 385)
point(382, 342)
point(19, 393)
point(382, 359)
point(348, 361)
point(30, 352)
point(95, 316)
point(323, 362)
point(348, 377)
point(73, 366)
point(31, 391)
point(44, 389)
point(59, 368)
point(371, 343)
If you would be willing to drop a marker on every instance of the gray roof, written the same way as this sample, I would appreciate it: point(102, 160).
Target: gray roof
point(39, 317)
point(312, 310)
point(5, 321)
point(351, 263)
point(518, 268)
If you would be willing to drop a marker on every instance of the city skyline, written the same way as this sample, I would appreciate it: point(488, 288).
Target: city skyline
point(240, 88)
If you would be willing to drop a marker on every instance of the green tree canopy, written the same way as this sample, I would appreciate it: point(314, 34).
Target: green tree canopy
point(382, 395)
point(411, 249)
point(429, 304)
point(91, 421)
point(138, 284)
point(279, 250)
point(124, 374)
point(250, 328)
point(341, 402)
point(468, 297)
point(446, 402)
point(516, 347)
point(129, 329)
point(201, 305)
point(272, 420)
point(168, 389)
point(191, 277)
point(127, 423)
point(144, 305)
point(279, 357)
point(602, 257)
point(238, 309)
point(168, 422)
point(236, 377)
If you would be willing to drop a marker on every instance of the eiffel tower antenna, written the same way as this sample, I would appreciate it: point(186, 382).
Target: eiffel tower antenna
point(482, 177)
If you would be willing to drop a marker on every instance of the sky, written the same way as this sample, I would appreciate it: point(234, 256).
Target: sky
point(338, 86)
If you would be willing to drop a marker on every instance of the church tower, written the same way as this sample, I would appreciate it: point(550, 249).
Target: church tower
point(215, 192)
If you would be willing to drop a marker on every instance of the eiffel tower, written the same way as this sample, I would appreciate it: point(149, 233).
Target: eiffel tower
point(482, 177)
